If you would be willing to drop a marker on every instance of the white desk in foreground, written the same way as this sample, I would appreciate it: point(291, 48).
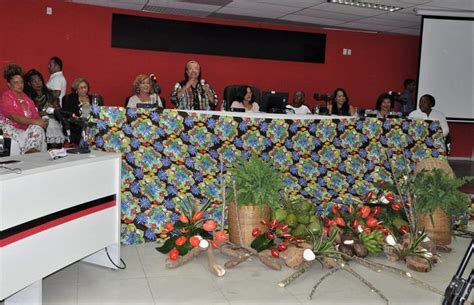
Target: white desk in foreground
point(53, 214)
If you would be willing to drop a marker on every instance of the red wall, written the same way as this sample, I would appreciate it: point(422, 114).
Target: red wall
point(81, 36)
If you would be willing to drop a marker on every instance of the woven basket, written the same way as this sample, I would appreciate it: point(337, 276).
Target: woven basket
point(439, 230)
point(433, 163)
point(250, 217)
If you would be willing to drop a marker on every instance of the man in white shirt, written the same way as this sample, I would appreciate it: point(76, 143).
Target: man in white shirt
point(298, 106)
point(57, 82)
point(425, 112)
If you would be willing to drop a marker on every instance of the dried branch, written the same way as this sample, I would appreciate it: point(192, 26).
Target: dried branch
point(321, 280)
point(305, 267)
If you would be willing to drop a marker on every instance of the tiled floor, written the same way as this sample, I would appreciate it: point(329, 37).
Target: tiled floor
point(147, 281)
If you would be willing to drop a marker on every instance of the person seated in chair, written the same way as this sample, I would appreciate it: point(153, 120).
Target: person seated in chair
point(36, 89)
point(426, 112)
point(78, 104)
point(340, 105)
point(298, 106)
point(384, 105)
point(19, 117)
point(144, 90)
point(245, 99)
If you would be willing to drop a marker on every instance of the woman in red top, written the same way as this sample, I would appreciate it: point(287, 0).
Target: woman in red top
point(18, 115)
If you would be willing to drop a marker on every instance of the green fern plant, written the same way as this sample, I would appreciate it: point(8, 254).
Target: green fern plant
point(435, 189)
point(257, 183)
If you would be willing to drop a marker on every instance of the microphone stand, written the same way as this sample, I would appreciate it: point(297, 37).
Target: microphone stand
point(459, 289)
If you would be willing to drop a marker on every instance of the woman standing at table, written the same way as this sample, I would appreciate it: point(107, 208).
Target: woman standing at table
point(193, 93)
point(245, 100)
point(18, 114)
point(144, 91)
point(340, 104)
point(384, 105)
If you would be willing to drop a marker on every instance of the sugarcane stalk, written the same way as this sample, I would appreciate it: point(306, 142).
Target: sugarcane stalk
point(305, 267)
point(407, 275)
point(366, 282)
point(331, 272)
point(184, 259)
point(214, 267)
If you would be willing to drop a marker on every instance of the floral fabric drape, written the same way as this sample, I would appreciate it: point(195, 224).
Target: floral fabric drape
point(174, 155)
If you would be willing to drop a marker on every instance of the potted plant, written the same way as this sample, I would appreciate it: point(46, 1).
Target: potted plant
point(254, 188)
point(437, 201)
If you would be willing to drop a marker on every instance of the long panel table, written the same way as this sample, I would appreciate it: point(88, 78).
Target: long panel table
point(175, 155)
point(54, 213)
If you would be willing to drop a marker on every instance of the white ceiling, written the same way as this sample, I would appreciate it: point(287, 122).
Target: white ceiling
point(308, 12)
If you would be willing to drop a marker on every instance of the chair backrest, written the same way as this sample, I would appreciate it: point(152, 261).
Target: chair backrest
point(230, 92)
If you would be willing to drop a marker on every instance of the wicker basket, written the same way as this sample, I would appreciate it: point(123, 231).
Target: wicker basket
point(439, 230)
point(433, 163)
point(250, 217)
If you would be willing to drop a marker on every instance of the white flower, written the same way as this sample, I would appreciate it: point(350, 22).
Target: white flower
point(428, 255)
point(349, 242)
point(384, 200)
point(203, 244)
point(308, 255)
point(359, 229)
point(427, 239)
point(390, 240)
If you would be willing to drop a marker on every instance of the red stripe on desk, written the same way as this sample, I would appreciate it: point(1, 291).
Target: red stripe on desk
point(54, 223)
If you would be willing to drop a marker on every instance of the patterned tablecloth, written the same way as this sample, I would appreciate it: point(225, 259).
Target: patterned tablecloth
point(173, 155)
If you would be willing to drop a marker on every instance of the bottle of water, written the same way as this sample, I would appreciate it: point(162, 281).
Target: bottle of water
point(95, 99)
point(316, 109)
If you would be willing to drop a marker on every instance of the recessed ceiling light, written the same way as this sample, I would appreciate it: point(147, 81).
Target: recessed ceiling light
point(370, 5)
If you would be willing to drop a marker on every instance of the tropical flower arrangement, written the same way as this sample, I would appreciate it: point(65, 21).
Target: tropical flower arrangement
point(190, 235)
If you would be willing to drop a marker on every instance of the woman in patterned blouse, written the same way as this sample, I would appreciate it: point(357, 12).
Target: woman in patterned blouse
point(193, 93)
point(18, 114)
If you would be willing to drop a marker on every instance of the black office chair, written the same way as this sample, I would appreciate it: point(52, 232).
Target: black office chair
point(230, 92)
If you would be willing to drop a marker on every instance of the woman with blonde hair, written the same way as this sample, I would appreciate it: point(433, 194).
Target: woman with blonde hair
point(78, 103)
point(144, 93)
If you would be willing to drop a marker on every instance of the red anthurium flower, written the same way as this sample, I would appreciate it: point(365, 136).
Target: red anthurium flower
point(372, 222)
point(194, 241)
point(169, 226)
point(173, 254)
point(275, 252)
point(356, 223)
point(377, 210)
point(273, 224)
point(220, 236)
point(198, 215)
point(180, 241)
point(340, 221)
point(183, 218)
point(390, 197)
point(282, 247)
point(364, 211)
point(404, 229)
point(256, 232)
point(209, 225)
point(368, 195)
point(283, 228)
point(271, 235)
point(396, 206)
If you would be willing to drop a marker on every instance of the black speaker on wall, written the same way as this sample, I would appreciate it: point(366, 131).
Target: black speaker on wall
point(145, 33)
